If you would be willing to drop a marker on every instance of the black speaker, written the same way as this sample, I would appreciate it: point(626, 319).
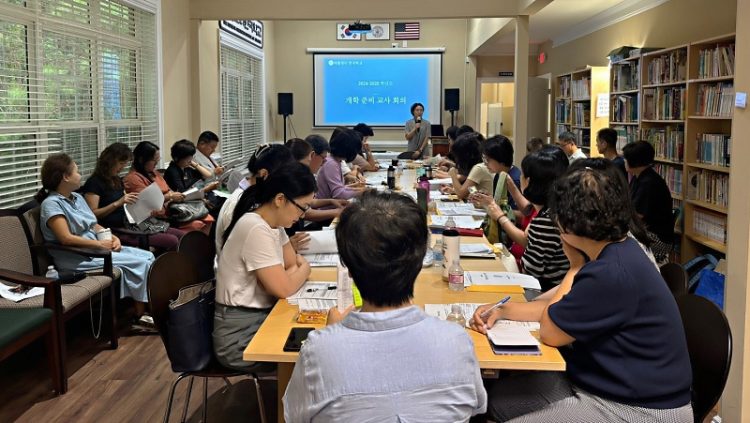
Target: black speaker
point(451, 99)
point(286, 104)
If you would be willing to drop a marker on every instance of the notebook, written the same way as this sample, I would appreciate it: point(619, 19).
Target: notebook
point(512, 340)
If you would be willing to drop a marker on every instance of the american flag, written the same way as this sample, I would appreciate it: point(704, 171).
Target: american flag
point(406, 31)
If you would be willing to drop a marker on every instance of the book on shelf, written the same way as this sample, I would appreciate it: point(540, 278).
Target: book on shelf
point(625, 108)
point(672, 176)
point(710, 225)
point(625, 76)
point(668, 142)
point(582, 114)
point(716, 62)
point(625, 135)
point(668, 68)
point(714, 149)
point(581, 88)
point(562, 111)
point(560, 128)
point(583, 137)
point(715, 100)
point(564, 87)
point(667, 103)
point(708, 187)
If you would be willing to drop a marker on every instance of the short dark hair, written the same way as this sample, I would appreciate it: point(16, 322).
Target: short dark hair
point(346, 145)
point(639, 153)
point(337, 130)
point(292, 179)
point(467, 150)
point(500, 149)
point(609, 136)
point(144, 152)
point(464, 129)
point(451, 132)
point(534, 144)
point(318, 143)
point(637, 228)
point(207, 137)
point(182, 149)
point(567, 137)
point(383, 263)
point(587, 202)
point(542, 168)
point(300, 148)
point(364, 130)
point(414, 106)
point(269, 157)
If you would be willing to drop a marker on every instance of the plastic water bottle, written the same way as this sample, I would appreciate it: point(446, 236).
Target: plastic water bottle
point(437, 252)
point(456, 276)
point(451, 247)
point(52, 273)
point(391, 177)
point(344, 293)
point(456, 315)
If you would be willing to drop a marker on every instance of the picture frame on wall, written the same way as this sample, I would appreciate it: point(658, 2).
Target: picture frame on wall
point(379, 32)
point(343, 33)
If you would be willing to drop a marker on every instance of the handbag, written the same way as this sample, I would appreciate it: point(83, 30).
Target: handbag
point(492, 230)
point(190, 326)
point(152, 225)
point(187, 211)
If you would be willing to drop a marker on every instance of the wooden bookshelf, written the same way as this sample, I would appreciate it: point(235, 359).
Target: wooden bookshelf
point(576, 94)
point(624, 96)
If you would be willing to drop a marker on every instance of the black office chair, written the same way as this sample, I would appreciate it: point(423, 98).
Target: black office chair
point(709, 342)
point(201, 251)
point(170, 272)
point(675, 277)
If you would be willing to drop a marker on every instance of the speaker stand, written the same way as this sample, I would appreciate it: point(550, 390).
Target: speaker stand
point(284, 140)
point(453, 117)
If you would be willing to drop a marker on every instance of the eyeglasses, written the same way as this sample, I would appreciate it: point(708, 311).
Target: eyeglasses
point(302, 209)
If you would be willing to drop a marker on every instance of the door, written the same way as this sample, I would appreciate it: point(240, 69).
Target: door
point(538, 122)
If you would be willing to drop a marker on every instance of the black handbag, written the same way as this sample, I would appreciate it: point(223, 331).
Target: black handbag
point(187, 211)
point(152, 225)
point(190, 326)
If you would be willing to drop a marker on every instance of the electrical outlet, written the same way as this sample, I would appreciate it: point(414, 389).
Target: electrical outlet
point(394, 45)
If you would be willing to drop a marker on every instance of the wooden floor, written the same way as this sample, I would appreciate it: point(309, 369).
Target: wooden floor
point(129, 384)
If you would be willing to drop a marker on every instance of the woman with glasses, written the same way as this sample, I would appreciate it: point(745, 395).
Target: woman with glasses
point(467, 150)
point(257, 264)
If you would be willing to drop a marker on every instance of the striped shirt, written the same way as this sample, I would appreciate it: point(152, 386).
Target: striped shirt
point(544, 258)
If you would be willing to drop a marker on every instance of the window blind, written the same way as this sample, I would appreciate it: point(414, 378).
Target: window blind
point(242, 118)
point(75, 76)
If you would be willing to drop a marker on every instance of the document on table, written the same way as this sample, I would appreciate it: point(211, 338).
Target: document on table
point(501, 278)
point(193, 194)
point(512, 340)
point(316, 304)
point(321, 242)
point(322, 260)
point(476, 250)
point(149, 200)
point(441, 181)
point(441, 311)
point(376, 178)
point(459, 209)
point(314, 290)
point(466, 222)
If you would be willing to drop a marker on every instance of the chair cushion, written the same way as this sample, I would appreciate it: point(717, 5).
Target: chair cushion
point(72, 294)
point(14, 323)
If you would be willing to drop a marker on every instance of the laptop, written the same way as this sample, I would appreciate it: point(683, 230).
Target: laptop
point(436, 131)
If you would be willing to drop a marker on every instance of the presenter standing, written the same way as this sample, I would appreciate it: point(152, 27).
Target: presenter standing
point(417, 131)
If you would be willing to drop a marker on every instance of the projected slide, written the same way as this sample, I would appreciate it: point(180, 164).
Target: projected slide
point(377, 89)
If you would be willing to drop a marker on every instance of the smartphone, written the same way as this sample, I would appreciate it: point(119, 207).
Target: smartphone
point(296, 339)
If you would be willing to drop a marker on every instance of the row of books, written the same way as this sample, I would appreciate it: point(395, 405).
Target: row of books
point(560, 128)
point(625, 108)
point(716, 62)
point(707, 186)
point(668, 142)
point(625, 135)
point(562, 111)
point(564, 87)
point(672, 176)
point(625, 76)
point(581, 114)
point(583, 136)
point(582, 88)
point(714, 149)
point(710, 225)
point(715, 100)
point(664, 103)
point(668, 68)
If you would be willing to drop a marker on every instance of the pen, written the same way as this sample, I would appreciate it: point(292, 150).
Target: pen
point(330, 288)
point(496, 305)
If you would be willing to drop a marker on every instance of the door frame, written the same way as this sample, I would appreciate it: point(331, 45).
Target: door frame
point(478, 96)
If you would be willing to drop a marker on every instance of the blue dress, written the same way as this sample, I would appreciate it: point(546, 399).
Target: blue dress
point(134, 263)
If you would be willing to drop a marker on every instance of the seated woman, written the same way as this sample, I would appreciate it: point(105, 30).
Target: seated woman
point(349, 369)
point(365, 161)
point(66, 219)
point(353, 175)
point(184, 173)
point(651, 198)
point(258, 264)
point(143, 173)
point(330, 180)
point(467, 150)
point(106, 197)
point(626, 354)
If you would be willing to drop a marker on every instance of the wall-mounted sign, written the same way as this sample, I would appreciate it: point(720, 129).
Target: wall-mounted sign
point(250, 31)
point(508, 74)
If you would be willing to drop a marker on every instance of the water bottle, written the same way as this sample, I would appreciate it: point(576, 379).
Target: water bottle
point(437, 252)
point(424, 184)
point(456, 315)
point(391, 177)
point(428, 171)
point(52, 273)
point(456, 276)
point(344, 293)
point(451, 242)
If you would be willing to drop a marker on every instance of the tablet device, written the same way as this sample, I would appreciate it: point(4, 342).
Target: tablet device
point(297, 337)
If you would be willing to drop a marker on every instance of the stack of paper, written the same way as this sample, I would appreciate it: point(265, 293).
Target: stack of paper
point(325, 291)
point(321, 242)
point(467, 222)
point(460, 209)
point(512, 340)
point(476, 250)
point(501, 278)
point(193, 194)
point(149, 200)
point(441, 311)
point(443, 181)
point(322, 260)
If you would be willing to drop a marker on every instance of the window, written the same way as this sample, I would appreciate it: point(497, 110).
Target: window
point(75, 76)
point(242, 116)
